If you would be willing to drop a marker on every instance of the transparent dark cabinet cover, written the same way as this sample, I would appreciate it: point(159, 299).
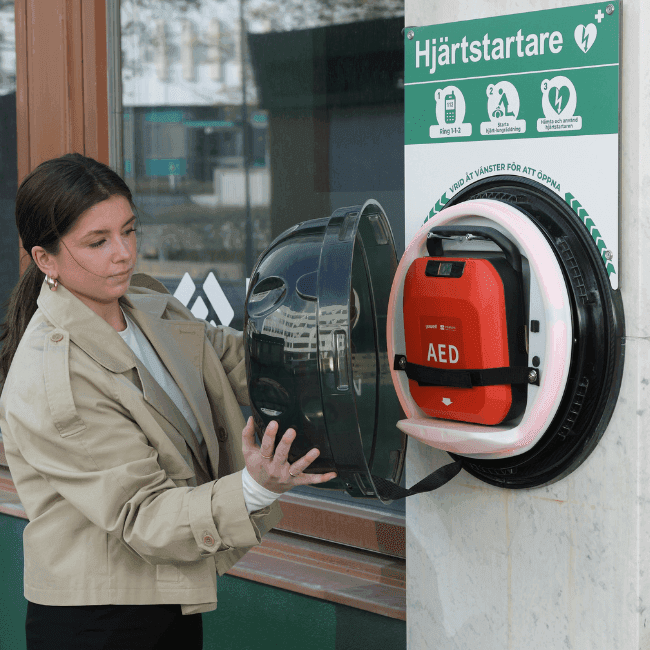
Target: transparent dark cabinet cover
point(315, 334)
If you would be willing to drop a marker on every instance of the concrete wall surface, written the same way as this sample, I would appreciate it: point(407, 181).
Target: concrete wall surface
point(565, 566)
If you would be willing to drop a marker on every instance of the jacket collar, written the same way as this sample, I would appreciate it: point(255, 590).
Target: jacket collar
point(176, 342)
point(92, 333)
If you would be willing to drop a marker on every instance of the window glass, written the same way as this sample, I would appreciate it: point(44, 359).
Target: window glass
point(243, 118)
point(9, 157)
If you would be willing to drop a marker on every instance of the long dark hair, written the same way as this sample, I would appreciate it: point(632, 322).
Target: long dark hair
point(49, 202)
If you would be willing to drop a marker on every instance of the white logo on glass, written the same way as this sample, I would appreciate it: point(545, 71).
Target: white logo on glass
point(214, 293)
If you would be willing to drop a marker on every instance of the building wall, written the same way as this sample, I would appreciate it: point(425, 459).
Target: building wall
point(250, 616)
point(565, 566)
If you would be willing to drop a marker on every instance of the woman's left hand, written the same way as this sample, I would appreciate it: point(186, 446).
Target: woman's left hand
point(272, 470)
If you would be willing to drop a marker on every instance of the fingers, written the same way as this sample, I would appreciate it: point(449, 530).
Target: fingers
point(296, 471)
point(268, 440)
point(268, 464)
point(248, 436)
point(312, 479)
point(303, 463)
point(282, 450)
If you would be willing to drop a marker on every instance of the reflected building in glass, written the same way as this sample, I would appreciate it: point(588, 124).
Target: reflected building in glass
point(215, 178)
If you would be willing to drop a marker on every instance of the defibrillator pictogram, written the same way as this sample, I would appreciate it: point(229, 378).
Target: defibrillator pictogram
point(585, 36)
point(559, 99)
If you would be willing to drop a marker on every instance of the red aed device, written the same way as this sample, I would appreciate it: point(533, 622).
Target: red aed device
point(464, 327)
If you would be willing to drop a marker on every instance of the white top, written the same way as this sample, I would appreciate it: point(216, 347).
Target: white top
point(256, 496)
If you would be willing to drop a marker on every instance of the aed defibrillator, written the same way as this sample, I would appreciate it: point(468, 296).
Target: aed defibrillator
point(465, 331)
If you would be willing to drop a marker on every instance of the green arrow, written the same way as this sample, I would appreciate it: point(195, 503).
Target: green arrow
point(440, 204)
point(442, 201)
point(589, 223)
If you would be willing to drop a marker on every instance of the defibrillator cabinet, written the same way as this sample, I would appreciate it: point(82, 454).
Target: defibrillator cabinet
point(497, 338)
point(520, 391)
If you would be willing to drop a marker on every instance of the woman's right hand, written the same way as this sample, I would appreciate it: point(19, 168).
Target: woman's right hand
point(272, 470)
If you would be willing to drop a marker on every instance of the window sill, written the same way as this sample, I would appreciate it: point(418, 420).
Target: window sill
point(368, 581)
point(344, 523)
point(371, 577)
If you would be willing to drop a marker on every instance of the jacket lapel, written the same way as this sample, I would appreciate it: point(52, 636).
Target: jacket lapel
point(176, 342)
point(179, 343)
point(157, 398)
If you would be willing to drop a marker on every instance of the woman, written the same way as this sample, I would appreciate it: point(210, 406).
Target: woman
point(120, 418)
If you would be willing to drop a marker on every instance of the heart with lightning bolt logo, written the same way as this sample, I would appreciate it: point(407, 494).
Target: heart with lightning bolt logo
point(558, 97)
point(585, 36)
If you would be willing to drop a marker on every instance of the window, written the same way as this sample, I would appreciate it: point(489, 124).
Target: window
point(215, 177)
point(241, 118)
point(8, 160)
point(8, 185)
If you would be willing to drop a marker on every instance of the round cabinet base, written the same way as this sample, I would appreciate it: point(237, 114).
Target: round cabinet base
point(597, 353)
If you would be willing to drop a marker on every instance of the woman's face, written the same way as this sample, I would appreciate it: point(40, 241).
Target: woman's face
point(96, 257)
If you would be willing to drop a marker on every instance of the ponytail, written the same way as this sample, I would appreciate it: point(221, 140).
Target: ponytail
point(21, 308)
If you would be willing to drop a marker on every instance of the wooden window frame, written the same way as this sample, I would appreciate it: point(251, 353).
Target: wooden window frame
point(336, 551)
point(61, 83)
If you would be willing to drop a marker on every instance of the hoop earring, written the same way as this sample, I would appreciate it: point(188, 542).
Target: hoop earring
point(53, 283)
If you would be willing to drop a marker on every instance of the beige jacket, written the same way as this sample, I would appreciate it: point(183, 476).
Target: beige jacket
point(106, 466)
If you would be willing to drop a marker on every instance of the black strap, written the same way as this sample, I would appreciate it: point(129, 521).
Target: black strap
point(427, 376)
point(389, 490)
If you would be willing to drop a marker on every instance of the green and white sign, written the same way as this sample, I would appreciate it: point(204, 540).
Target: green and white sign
point(534, 95)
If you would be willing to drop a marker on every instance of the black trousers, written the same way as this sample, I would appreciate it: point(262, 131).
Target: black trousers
point(112, 627)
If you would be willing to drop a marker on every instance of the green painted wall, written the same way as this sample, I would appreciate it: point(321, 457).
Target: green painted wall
point(251, 616)
point(13, 605)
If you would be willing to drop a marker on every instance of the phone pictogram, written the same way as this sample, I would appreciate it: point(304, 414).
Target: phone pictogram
point(450, 108)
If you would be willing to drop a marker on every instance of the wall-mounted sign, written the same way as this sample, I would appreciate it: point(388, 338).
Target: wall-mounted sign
point(534, 95)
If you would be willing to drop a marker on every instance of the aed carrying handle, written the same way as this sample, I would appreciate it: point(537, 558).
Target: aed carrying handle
point(434, 244)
